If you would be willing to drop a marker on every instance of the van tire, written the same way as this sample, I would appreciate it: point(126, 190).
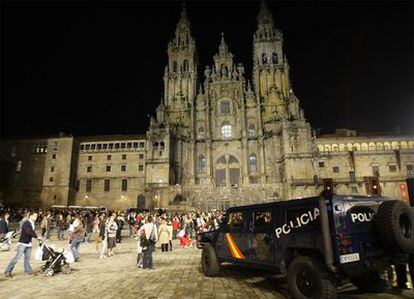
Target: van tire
point(371, 283)
point(395, 224)
point(209, 261)
point(308, 278)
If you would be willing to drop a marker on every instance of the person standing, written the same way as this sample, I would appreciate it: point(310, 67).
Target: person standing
point(170, 231)
point(77, 237)
point(151, 237)
point(89, 227)
point(61, 227)
point(103, 236)
point(176, 226)
point(111, 228)
point(24, 246)
point(164, 235)
point(4, 224)
point(48, 226)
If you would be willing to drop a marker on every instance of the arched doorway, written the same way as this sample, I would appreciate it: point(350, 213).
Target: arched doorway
point(227, 172)
point(141, 202)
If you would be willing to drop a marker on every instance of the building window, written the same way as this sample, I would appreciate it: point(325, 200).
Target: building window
point(141, 167)
point(77, 185)
point(141, 144)
point(162, 145)
point(174, 66)
point(88, 185)
point(123, 145)
point(82, 147)
point(201, 164)
point(89, 169)
point(321, 164)
point(129, 145)
point(264, 59)
point(124, 185)
point(225, 107)
point(185, 66)
point(89, 158)
point(274, 58)
point(99, 146)
point(335, 169)
point(141, 156)
point(93, 146)
point(123, 167)
point(19, 166)
point(251, 130)
point(108, 168)
point(375, 171)
point(107, 185)
point(253, 163)
point(105, 146)
point(410, 170)
point(392, 168)
point(354, 189)
point(201, 133)
point(226, 130)
point(52, 168)
point(108, 157)
point(124, 157)
point(352, 177)
point(54, 156)
point(111, 146)
point(116, 145)
point(51, 179)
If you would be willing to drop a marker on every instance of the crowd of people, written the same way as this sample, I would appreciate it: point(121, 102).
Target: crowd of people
point(80, 226)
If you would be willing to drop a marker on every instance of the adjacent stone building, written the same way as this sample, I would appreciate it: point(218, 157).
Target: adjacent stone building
point(218, 139)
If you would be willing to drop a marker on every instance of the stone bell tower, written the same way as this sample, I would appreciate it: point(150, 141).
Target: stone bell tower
point(180, 75)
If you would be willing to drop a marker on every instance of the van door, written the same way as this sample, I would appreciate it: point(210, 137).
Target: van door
point(233, 237)
point(261, 239)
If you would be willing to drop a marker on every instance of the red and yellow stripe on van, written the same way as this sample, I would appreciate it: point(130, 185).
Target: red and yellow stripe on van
point(234, 250)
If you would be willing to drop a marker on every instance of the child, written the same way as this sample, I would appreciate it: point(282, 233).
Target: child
point(140, 257)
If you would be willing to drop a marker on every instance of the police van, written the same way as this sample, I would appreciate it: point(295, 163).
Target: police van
point(318, 242)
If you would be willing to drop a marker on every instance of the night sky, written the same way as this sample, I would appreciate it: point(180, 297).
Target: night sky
point(89, 68)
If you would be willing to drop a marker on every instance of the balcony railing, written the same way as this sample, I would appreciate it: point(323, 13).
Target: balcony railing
point(344, 180)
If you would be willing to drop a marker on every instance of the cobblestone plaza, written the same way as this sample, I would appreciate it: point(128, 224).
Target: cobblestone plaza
point(177, 274)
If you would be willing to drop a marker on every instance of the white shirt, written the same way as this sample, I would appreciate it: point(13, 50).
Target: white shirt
point(149, 227)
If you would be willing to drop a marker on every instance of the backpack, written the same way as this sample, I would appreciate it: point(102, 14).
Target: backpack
point(144, 241)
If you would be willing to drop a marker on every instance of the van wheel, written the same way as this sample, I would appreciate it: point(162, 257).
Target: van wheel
point(308, 278)
point(209, 261)
point(395, 224)
point(371, 283)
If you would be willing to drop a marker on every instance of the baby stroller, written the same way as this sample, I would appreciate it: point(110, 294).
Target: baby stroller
point(56, 261)
point(5, 241)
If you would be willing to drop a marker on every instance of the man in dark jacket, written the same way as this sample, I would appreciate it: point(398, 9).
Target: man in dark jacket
point(24, 246)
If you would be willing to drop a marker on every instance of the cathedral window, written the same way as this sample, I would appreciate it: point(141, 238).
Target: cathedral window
point(252, 130)
point(185, 66)
point(225, 107)
point(162, 145)
point(174, 66)
point(264, 59)
point(88, 185)
point(201, 133)
point(275, 59)
point(201, 164)
point(253, 163)
point(226, 130)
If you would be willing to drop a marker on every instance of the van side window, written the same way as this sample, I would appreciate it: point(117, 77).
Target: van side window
point(235, 219)
point(262, 218)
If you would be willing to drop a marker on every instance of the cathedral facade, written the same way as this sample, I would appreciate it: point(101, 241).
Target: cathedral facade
point(218, 139)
